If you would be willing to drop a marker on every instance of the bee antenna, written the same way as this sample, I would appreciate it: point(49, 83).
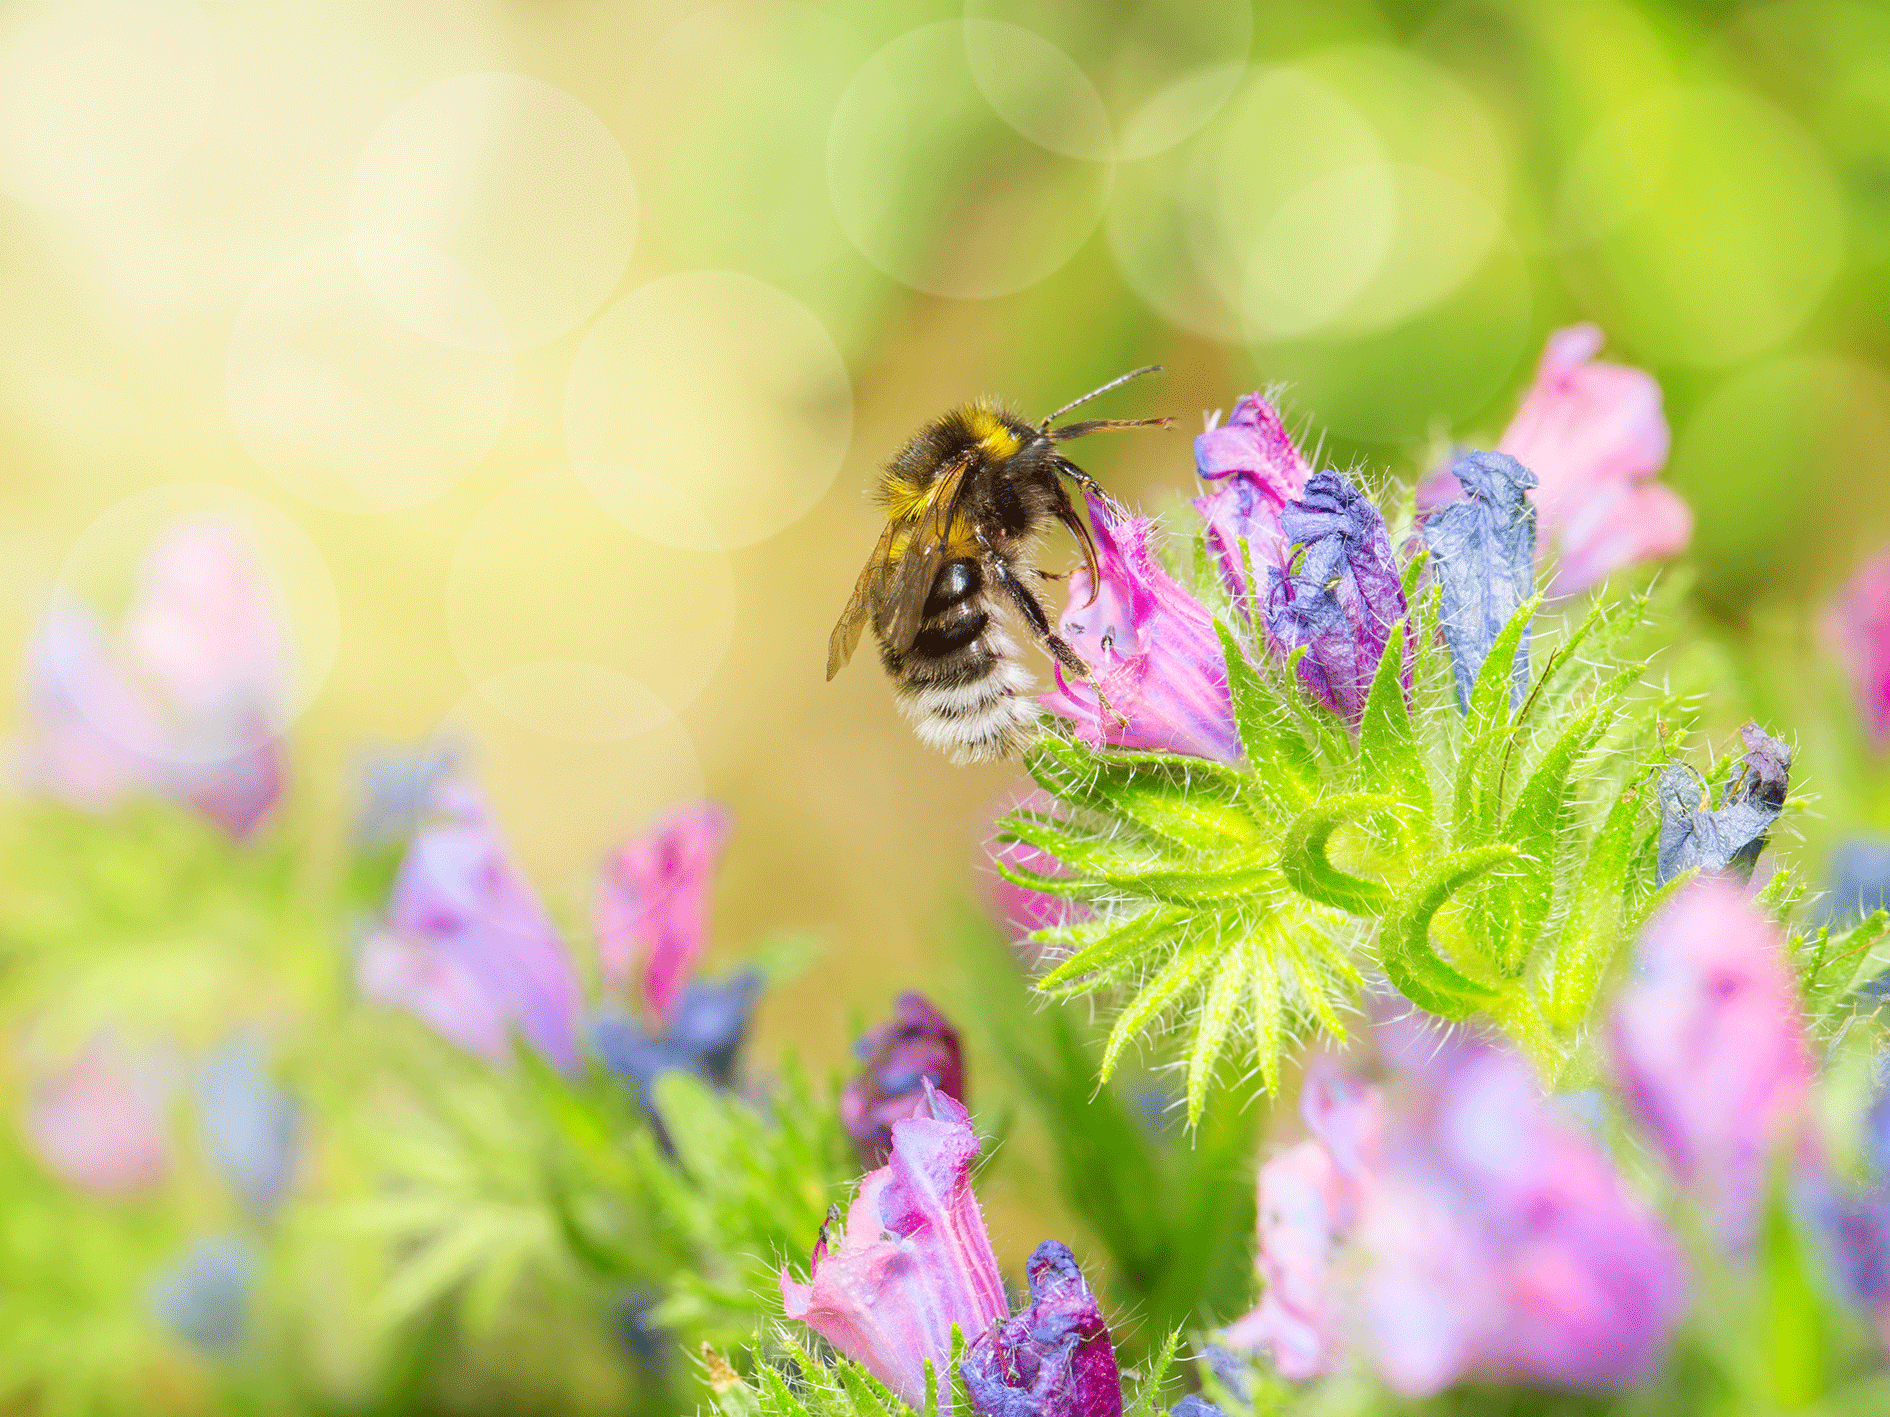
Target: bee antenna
point(1116, 382)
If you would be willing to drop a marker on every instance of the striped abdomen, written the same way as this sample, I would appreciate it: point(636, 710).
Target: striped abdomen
point(961, 683)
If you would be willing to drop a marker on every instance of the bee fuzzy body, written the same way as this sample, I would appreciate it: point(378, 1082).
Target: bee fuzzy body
point(952, 582)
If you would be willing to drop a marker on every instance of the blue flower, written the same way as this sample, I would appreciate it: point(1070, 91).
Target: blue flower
point(249, 1125)
point(204, 1297)
point(1729, 838)
point(1055, 1358)
point(702, 1038)
point(1483, 549)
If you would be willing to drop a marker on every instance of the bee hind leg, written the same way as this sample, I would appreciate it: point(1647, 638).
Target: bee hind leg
point(1033, 612)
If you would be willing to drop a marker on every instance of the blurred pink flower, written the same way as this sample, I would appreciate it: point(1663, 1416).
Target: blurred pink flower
point(1709, 1049)
point(1462, 1229)
point(1594, 434)
point(467, 947)
point(1856, 625)
point(1309, 1200)
point(99, 1124)
point(186, 706)
point(912, 1259)
point(653, 903)
point(1258, 470)
point(1017, 910)
point(1153, 648)
point(898, 1061)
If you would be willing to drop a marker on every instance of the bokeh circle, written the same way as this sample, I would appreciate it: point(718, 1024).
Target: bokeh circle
point(517, 183)
point(576, 626)
point(345, 405)
point(708, 409)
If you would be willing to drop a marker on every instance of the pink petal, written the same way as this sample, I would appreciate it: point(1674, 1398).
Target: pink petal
point(99, 1125)
point(653, 903)
point(1856, 625)
point(439, 990)
point(1621, 525)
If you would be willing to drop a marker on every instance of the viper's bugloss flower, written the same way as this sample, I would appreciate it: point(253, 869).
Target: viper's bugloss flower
point(1483, 553)
point(1860, 879)
point(1709, 1049)
point(185, 705)
point(702, 1036)
point(912, 1260)
point(1339, 597)
point(1856, 1226)
point(1152, 647)
point(1055, 1358)
point(653, 904)
point(250, 1126)
point(1256, 470)
point(897, 1060)
point(1594, 434)
point(1729, 838)
point(1463, 1228)
point(99, 1124)
point(1017, 910)
point(204, 1297)
point(1309, 1201)
point(467, 947)
point(1856, 625)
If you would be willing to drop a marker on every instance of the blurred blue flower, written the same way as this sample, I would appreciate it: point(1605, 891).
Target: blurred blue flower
point(1483, 549)
point(1340, 596)
point(703, 1038)
point(250, 1126)
point(1860, 880)
point(1730, 837)
point(395, 784)
point(204, 1297)
point(1053, 1359)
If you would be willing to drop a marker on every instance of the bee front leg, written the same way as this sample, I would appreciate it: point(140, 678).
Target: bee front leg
point(1033, 612)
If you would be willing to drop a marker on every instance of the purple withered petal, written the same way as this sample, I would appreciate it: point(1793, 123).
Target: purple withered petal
point(1055, 1358)
point(1729, 838)
point(1483, 553)
point(653, 903)
point(1709, 1049)
point(99, 1124)
point(912, 1260)
point(250, 1127)
point(1340, 597)
point(1153, 649)
point(898, 1059)
point(1258, 469)
point(468, 932)
point(1856, 627)
point(204, 1297)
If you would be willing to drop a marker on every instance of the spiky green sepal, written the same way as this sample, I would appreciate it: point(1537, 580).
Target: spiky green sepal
point(1488, 863)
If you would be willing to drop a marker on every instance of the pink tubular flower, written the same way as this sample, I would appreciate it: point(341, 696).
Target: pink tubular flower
point(653, 903)
point(1856, 625)
point(1259, 471)
point(912, 1260)
point(466, 945)
point(1594, 434)
point(186, 707)
point(899, 1060)
point(1309, 1199)
point(1017, 910)
point(1464, 1229)
point(1153, 649)
point(1709, 1049)
point(99, 1125)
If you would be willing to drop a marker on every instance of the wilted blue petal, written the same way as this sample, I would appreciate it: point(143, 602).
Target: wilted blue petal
point(1342, 595)
point(204, 1297)
point(1483, 549)
point(249, 1125)
point(1055, 1359)
point(1195, 1405)
point(1729, 838)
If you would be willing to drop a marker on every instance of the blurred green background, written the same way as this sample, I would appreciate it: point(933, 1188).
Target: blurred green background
point(549, 345)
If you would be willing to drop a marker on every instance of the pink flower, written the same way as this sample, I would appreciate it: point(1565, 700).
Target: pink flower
point(1709, 1049)
point(912, 1260)
point(1017, 910)
point(899, 1061)
point(1259, 471)
point(99, 1125)
point(1461, 1229)
point(466, 945)
point(1309, 1201)
point(1857, 626)
point(1594, 434)
point(1154, 651)
point(653, 903)
point(187, 706)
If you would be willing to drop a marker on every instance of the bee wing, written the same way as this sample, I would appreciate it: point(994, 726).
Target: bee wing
point(896, 618)
point(868, 592)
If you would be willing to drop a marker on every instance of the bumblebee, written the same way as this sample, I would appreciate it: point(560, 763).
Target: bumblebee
point(966, 500)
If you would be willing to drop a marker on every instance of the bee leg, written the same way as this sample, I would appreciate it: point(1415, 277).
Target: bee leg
point(1044, 575)
point(1033, 612)
point(1095, 489)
